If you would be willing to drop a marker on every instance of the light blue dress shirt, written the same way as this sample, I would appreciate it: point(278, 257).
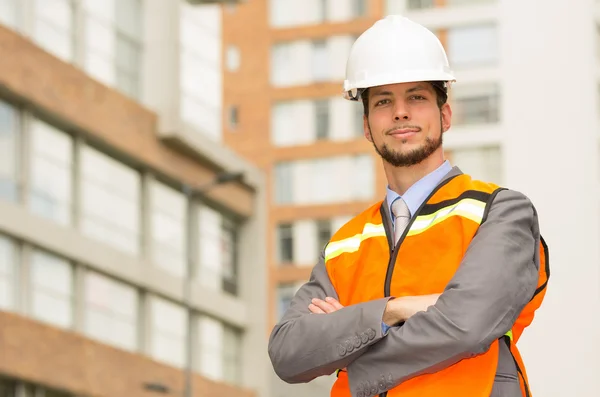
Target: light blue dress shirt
point(416, 195)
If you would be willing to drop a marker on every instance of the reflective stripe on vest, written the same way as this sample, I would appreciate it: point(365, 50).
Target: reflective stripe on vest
point(351, 244)
point(467, 208)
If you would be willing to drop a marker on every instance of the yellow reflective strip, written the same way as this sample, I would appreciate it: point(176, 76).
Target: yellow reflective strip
point(467, 208)
point(509, 334)
point(351, 244)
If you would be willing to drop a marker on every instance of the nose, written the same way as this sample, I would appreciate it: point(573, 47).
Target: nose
point(401, 112)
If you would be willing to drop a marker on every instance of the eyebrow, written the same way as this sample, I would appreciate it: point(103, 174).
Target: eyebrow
point(417, 88)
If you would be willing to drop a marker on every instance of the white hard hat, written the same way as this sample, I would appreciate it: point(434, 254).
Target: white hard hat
point(395, 50)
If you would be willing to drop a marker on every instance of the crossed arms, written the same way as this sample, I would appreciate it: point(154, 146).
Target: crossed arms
point(495, 280)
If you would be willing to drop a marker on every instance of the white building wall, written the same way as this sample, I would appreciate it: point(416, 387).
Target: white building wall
point(551, 150)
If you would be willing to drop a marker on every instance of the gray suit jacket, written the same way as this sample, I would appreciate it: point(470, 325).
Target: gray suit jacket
point(495, 280)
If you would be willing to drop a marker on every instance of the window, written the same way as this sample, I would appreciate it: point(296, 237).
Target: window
point(217, 251)
point(285, 237)
point(7, 389)
point(219, 348)
point(325, 180)
point(200, 68)
point(9, 266)
point(303, 62)
point(322, 119)
point(358, 112)
point(288, 13)
point(209, 244)
point(476, 104)
point(232, 355)
point(113, 40)
point(283, 183)
point(233, 58)
point(418, 4)
point(210, 346)
point(473, 46)
point(110, 201)
point(111, 311)
point(483, 163)
point(229, 255)
point(320, 61)
point(9, 13)
point(53, 27)
point(51, 173)
point(233, 117)
point(51, 289)
point(324, 233)
point(169, 323)
point(9, 146)
point(169, 209)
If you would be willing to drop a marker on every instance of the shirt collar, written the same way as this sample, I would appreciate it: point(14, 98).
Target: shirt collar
point(418, 192)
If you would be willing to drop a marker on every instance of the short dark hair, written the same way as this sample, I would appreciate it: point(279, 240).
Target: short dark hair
point(439, 87)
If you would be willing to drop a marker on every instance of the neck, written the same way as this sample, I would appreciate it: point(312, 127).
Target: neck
point(401, 179)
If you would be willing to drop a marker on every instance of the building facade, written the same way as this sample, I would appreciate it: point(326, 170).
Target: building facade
point(131, 252)
point(283, 111)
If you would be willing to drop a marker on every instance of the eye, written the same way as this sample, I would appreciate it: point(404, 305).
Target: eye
point(382, 102)
point(418, 98)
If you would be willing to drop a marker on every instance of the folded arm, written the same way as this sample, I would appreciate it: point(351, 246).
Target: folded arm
point(495, 280)
point(303, 346)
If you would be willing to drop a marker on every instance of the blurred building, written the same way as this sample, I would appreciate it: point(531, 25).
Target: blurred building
point(283, 73)
point(131, 239)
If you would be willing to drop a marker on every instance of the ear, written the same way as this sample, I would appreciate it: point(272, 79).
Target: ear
point(367, 129)
point(446, 112)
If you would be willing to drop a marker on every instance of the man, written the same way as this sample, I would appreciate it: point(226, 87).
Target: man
point(426, 292)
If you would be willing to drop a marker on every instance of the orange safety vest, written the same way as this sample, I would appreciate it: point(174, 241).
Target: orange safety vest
point(460, 205)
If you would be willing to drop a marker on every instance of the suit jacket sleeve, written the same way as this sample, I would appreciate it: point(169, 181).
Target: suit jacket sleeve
point(303, 346)
point(496, 279)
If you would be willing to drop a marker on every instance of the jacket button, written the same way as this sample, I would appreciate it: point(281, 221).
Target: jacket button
point(349, 346)
point(357, 341)
point(341, 350)
point(364, 337)
point(374, 388)
point(371, 333)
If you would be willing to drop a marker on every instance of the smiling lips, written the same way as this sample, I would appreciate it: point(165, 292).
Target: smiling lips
point(404, 133)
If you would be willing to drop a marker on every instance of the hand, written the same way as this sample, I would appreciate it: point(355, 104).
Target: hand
point(401, 309)
point(329, 305)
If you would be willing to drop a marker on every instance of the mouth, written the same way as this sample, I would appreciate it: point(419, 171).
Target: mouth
point(403, 133)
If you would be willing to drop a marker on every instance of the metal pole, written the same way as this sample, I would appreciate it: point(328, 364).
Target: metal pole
point(187, 291)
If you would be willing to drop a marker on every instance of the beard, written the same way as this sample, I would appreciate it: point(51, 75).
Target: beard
point(415, 156)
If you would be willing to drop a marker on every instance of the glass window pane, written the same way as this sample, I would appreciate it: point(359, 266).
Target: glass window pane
point(232, 346)
point(475, 104)
point(169, 209)
point(54, 27)
point(103, 10)
point(320, 61)
point(128, 18)
point(169, 323)
point(283, 183)
point(473, 46)
point(285, 238)
point(9, 137)
point(285, 294)
point(210, 346)
point(7, 388)
point(322, 118)
point(111, 309)
point(229, 269)
point(9, 12)
point(52, 289)
point(209, 243)
point(9, 266)
point(111, 200)
point(483, 163)
point(51, 172)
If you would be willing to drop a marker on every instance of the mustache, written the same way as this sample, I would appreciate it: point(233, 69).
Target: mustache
point(401, 127)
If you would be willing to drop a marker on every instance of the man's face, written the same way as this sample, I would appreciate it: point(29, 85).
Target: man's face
point(405, 123)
